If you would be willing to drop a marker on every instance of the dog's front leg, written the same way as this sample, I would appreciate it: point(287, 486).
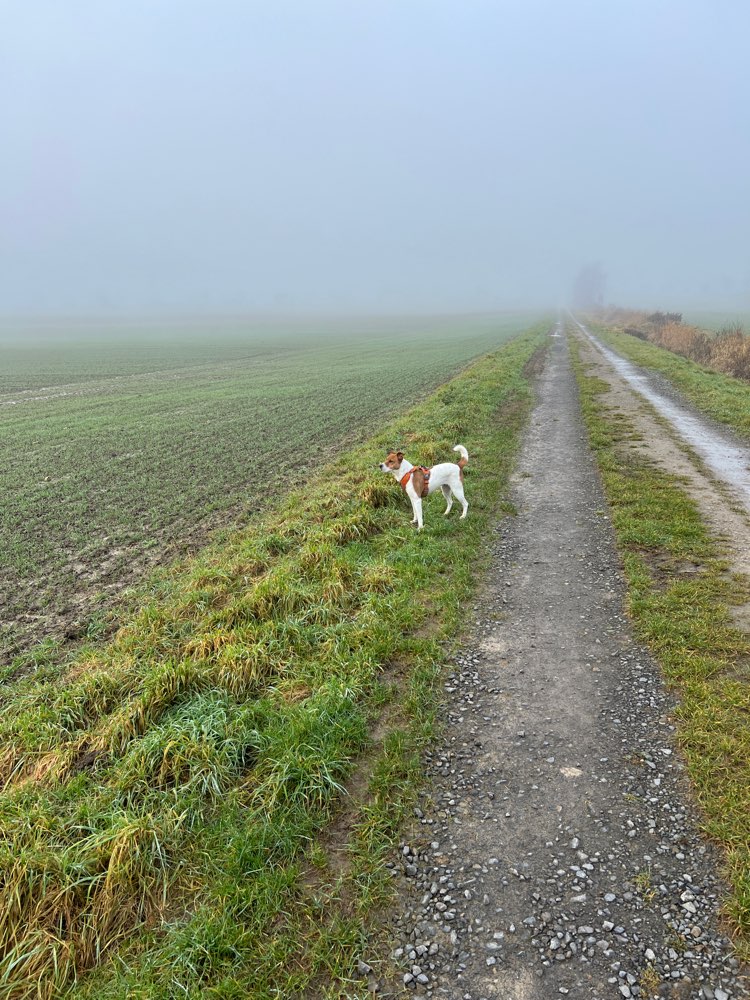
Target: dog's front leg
point(417, 506)
point(413, 502)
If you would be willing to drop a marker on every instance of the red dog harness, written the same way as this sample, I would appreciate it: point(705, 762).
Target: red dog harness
point(425, 472)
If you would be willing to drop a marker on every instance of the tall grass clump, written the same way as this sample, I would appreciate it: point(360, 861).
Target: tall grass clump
point(162, 800)
point(730, 352)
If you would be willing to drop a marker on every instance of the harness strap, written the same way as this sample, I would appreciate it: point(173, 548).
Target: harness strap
point(425, 472)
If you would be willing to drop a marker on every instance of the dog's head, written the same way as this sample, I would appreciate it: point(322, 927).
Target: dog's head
point(392, 462)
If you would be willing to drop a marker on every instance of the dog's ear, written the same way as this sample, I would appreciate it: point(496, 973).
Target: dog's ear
point(400, 455)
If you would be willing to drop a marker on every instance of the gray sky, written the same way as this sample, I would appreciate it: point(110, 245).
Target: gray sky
point(352, 155)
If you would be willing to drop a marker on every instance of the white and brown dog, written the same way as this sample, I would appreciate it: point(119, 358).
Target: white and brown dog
point(418, 482)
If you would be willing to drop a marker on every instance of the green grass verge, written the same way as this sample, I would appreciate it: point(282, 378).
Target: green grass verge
point(721, 397)
point(680, 598)
point(163, 799)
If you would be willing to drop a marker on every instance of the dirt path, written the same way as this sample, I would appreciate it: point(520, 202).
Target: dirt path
point(556, 851)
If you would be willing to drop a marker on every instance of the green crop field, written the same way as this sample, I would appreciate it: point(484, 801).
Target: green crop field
point(120, 447)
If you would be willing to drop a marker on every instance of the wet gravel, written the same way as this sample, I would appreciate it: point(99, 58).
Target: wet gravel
point(555, 851)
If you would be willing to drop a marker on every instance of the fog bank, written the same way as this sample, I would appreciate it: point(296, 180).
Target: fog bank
point(378, 156)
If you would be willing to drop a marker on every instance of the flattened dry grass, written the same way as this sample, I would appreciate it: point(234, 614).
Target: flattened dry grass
point(161, 802)
point(686, 620)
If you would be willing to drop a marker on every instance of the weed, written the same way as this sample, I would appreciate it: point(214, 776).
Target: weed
point(650, 982)
point(644, 884)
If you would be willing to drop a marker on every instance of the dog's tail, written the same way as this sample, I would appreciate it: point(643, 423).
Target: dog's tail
point(464, 456)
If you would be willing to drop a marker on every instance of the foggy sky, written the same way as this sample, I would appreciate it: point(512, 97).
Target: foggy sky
point(371, 155)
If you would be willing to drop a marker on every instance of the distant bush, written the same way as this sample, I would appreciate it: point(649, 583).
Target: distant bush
point(633, 331)
point(662, 318)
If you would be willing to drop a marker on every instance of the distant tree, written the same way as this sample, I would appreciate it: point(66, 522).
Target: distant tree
point(588, 288)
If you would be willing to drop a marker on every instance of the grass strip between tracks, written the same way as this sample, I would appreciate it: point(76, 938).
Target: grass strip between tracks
point(720, 397)
point(680, 598)
point(164, 799)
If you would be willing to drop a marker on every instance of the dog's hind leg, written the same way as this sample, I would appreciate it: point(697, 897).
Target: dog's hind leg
point(458, 493)
point(448, 498)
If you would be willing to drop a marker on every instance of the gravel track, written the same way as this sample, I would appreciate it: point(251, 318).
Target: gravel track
point(556, 850)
